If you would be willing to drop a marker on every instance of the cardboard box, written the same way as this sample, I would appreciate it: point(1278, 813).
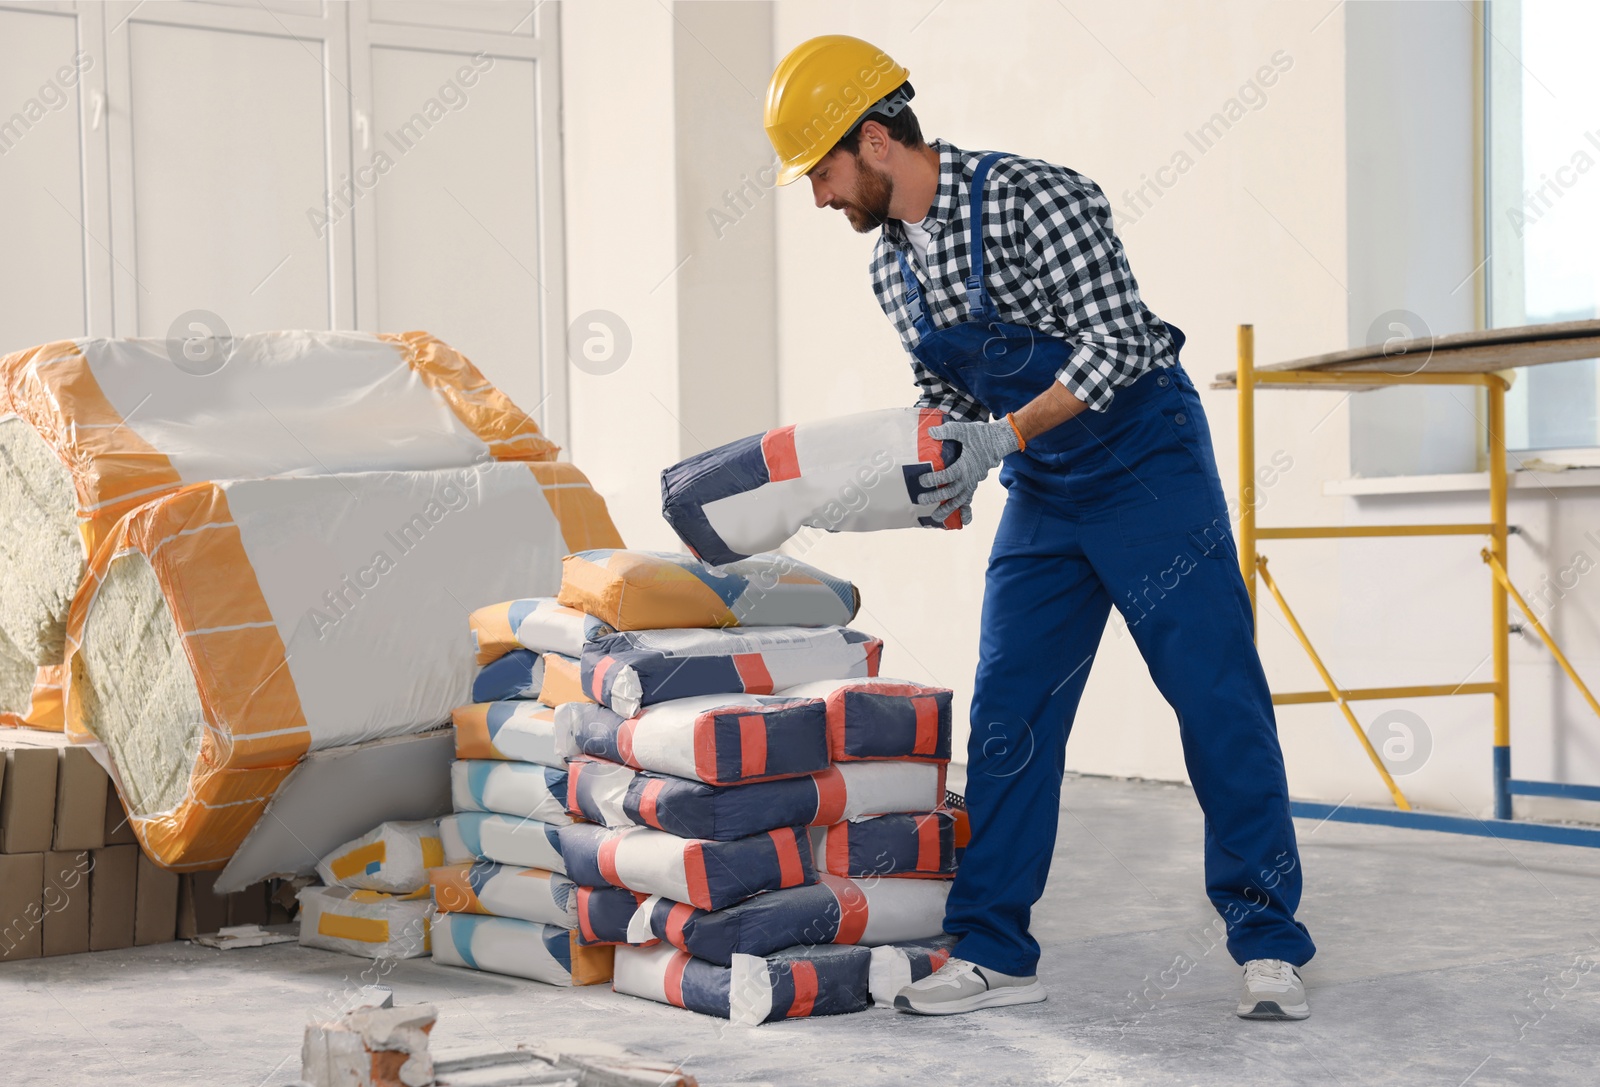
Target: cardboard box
point(66, 902)
point(155, 914)
point(80, 801)
point(21, 905)
point(113, 879)
point(28, 800)
point(200, 908)
point(119, 830)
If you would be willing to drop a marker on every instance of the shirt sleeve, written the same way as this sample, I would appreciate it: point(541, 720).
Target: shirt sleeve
point(941, 395)
point(1065, 229)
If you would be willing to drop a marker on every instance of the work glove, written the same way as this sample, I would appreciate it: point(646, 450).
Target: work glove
point(983, 447)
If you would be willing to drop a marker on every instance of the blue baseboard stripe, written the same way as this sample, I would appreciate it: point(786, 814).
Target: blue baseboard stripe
point(1553, 788)
point(1504, 829)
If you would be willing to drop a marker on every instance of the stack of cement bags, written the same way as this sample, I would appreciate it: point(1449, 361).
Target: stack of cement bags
point(747, 805)
point(374, 899)
point(212, 568)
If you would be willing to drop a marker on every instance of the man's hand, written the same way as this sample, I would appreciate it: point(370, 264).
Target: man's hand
point(983, 447)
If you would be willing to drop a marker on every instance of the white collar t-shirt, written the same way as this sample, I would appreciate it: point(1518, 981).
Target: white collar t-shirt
point(920, 238)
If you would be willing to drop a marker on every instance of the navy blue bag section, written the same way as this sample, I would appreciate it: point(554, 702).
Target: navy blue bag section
point(758, 926)
point(693, 809)
point(795, 737)
point(734, 871)
point(687, 486)
point(841, 973)
point(605, 912)
point(705, 988)
point(510, 677)
point(883, 726)
point(889, 845)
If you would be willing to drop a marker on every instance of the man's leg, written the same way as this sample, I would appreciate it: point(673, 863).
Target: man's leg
point(1043, 612)
point(1186, 606)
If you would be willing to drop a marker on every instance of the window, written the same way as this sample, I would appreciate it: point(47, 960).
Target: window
point(1543, 208)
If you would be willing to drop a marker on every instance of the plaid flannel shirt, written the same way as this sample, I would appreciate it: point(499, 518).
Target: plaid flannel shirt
point(1052, 262)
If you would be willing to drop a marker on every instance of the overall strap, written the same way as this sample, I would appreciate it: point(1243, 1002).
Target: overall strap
point(977, 295)
point(914, 307)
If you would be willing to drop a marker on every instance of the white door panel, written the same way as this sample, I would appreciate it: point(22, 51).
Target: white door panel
point(43, 287)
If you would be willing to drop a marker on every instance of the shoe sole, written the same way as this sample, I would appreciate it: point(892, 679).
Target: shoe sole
point(1006, 997)
point(1272, 1010)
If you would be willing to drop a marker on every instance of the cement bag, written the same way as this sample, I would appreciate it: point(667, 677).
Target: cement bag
point(856, 473)
point(710, 875)
point(921, 845)
point(795, 983)
point(522, 949)
point(646, 590)
point(93, 428)
point(604, 913)
point(505, 890)
point(897, 965)
point(563, 681)
point(616, 796)
point(518, 731)
point(510, 788)
point(519, 674)
point(832, 910)
point(394, 857)
point(640, 667)
point(229, 628)
point(719, 739)
point(370, 924)
point(882, 718)
point(541, 624)
point(506, 839)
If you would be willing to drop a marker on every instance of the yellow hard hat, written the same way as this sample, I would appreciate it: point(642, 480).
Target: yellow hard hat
point(818, 93)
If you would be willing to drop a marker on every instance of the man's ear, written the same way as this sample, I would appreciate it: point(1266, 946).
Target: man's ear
point(875, 140)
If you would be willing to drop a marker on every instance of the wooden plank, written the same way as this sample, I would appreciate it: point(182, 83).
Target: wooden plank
point(1458, 353)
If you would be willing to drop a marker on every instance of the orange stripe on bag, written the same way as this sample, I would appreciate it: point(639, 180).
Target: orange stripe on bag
point(853, 908)
point(694, 875)
point(805, 989)
point(705, 748)
point(836, 854)
point(672, 983)
point(928, 448)
point(928, 842)
point(583, 914)
point(647, 803)
point(753, 674)
point(452, 890)
point(608, 860)
point(597, 684)
point(625, 740)
point(472, 732)
point(777, 449)
point(752, 745)
point(677, 917)
point(790, 868)
point(927, 709)
point(573, 770)
point(832, 794)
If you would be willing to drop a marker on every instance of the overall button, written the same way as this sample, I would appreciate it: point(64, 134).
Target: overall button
point(1162, 381)
point(1180, 418)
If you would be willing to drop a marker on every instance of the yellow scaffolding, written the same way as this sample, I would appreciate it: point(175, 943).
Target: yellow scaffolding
point(1471, 359)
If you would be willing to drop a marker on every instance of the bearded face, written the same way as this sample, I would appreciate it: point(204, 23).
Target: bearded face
point(868, 206)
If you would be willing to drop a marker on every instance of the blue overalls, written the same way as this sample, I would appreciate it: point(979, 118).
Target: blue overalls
point(1121, 507)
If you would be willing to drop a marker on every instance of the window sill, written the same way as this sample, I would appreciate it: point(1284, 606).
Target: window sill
point(1461, 481)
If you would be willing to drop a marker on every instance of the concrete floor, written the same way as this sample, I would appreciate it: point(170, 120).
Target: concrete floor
point(1441, 962)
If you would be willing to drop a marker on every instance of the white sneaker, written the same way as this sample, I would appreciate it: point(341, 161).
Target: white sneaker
point(961, 986)
point(1272, 990)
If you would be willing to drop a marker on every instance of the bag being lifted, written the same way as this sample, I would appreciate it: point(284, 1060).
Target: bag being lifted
point(856, 473)
point(227, 629)
point(94, 428)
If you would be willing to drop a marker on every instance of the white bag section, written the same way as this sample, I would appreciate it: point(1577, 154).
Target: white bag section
point(526, 843)
point(368, 924)
point(394, 857)
point(510, 788)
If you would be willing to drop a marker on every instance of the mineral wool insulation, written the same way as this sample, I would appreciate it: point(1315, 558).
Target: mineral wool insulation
point(91, 428)
point(229, 628)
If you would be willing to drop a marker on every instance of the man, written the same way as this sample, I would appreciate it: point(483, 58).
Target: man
point(1113, 498)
